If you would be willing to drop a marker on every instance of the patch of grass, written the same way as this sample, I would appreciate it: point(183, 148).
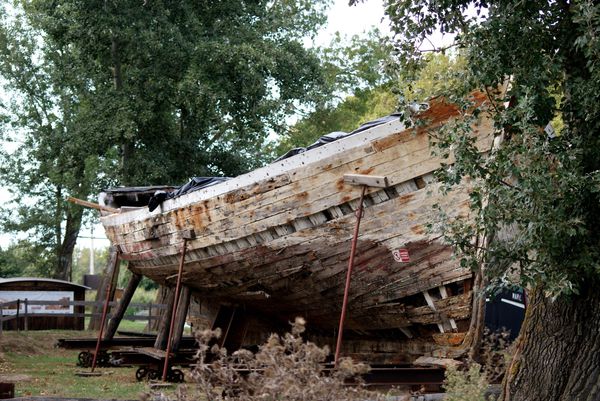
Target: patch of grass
point(132, 325)
point(52, 370)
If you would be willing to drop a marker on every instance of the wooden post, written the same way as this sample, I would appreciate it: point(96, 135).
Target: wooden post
point(182, 310)
point(26, 327)
point(149, 316)
point(118, 314)
point(109, 280)
point(115, 271)
point(18, 320)
point(162, 297)
point(165, 321)
point(175, 304)
point(1, 320)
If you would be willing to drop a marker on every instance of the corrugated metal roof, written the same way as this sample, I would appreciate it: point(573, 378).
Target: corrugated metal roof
point(39, 279)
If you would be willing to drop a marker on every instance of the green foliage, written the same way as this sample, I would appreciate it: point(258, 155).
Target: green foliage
point(50, 154)
point(81, 262)
point(467, 385)
point(357, 63)
point(440, 74)
point(363, 106)
point(363, 66)
point(11, 262)
point(189, 88)
point(359, 80)
point(23, 259)
point(537, 197)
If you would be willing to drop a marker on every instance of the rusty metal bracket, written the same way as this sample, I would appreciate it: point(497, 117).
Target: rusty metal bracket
point(364, 181)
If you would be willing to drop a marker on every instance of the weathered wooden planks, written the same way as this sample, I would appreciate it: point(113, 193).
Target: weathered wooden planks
point(276, 240)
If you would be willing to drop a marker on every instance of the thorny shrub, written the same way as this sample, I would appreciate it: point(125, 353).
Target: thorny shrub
point(284, 368)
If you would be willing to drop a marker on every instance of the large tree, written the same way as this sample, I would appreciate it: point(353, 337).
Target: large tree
point(137, 93)
point(48, 152)
point(538, 193)
point(192, 87)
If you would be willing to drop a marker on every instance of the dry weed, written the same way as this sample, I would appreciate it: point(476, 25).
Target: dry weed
point(469, 385)
point(495, 353)
point(285, 368)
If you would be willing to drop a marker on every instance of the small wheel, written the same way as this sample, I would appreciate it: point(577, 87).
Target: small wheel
point(84, 359)
point(141, 373)
point(153, 374)
point(175, 376)
point(103, 359)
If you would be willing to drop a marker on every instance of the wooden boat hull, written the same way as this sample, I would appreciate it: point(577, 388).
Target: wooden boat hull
point(275, 243)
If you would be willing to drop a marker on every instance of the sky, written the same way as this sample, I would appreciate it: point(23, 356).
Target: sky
point(341, 18)
point(353, 20)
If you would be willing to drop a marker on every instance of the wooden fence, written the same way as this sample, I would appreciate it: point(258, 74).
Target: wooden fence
point(22, 312)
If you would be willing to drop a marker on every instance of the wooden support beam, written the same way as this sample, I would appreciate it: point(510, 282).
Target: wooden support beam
point(367, 180)
point(406, 332)
point(92, 205)
point(180, 316)
point(165, 321)
point(444, 294)
point(118, 314)
point(430, 303)
point(109, 280)
point(113, 279)
point(176, 299)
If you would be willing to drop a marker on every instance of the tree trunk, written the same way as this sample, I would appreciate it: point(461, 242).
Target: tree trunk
point(558, 351)
point(65, 251)
point(127, 145)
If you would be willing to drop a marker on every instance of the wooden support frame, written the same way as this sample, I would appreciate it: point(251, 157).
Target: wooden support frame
point(114, 274)
point(182, 311)
point(444, 294)
point(174, 312)
point(431, 305)
point(165, 321)
point(406, 332)
point(114, 322)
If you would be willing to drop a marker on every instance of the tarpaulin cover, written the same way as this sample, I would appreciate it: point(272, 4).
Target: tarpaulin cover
point(194, 184)
point(334, 136)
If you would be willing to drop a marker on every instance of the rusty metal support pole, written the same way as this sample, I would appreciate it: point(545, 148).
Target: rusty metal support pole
point(174, 311)
point(105, 309)
point(359, 213)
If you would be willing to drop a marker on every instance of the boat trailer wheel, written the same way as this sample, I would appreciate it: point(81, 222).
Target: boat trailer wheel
point(153, 374)
point(141, 373)
point(84, 359)
point(103, 359)
point(175, 376)
point(145, 373)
